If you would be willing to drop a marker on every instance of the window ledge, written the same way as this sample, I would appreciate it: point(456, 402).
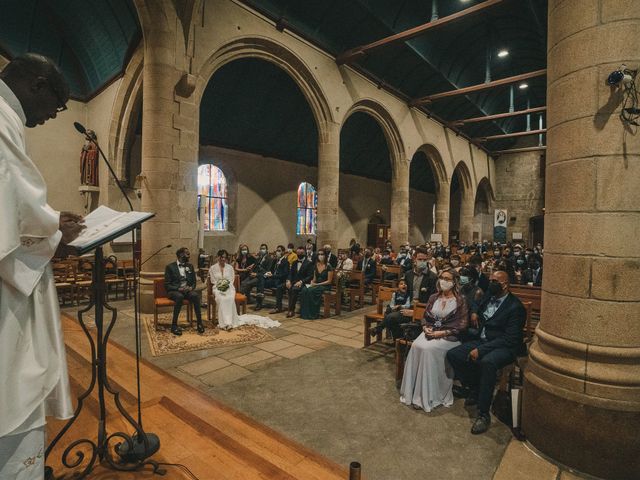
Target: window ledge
point(219, 233)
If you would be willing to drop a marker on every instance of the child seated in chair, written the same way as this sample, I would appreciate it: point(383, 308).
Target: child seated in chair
point(393, 317)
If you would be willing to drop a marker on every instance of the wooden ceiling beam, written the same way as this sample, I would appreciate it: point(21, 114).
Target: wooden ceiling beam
point(481, 87)
point(353, 54)
point(497, 116)
point(519, 150)
point(511, 135)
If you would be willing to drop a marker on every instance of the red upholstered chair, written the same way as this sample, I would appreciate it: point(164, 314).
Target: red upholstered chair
point(160, 300)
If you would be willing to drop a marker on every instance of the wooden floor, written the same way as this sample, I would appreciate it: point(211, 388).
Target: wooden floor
point(211, 439)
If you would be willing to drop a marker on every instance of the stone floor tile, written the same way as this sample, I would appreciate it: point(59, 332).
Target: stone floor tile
point(254, 357)
point(206, 365)
point(520, 463)
point(264, 363)
point(273, 345)
point(294, 352)
point(238, 352)
point(347, 342)
point(225, 375)
point(343, 332)
point(306, 341)
point(308, 332)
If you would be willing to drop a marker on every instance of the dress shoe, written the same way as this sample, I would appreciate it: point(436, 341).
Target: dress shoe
point(470, 401)
point(275, 310)
point(200, 328)
point(460, 391)
point(177, 331)
point(481, 424)
point(373, 331)
point(290, 314)
point(258, 307)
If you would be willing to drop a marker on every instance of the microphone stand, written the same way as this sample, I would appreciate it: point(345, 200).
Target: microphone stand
point(132, 453)
point(154, 254)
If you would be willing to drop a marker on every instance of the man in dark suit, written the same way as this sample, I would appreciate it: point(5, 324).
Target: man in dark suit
point(421, 281)
point(262, 266)
point(275, 277)
point(180, 284)
point(332, 258)
point(368, 266)
point(533, 274)
point(301, 273)
point(500, 320)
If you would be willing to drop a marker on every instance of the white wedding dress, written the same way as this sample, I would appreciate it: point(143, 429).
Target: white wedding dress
point(226, 302)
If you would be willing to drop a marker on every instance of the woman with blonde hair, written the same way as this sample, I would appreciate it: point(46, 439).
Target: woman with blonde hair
point(428, 378)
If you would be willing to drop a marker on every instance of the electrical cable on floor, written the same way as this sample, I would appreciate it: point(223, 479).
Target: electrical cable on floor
point(181, 466)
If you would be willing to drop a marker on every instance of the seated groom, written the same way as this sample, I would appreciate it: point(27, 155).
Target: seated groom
point(274, 278)
point(180, 284)
point(500, 320)
point(301, 273)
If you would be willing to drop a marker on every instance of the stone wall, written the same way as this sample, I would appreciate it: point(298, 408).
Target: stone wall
point(519, 190)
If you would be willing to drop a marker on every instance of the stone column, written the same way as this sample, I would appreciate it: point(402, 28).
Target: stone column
point(466, 216)
point(169, 144)
point(443, 201)
point(400, 202)
point(582, 390)
point(328, 185)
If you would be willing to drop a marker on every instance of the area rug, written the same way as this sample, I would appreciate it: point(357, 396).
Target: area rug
point(163, 342)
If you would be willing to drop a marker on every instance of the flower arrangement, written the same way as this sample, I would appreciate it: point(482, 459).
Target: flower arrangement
point(222, 285)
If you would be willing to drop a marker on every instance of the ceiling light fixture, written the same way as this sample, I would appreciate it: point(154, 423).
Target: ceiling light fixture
point(503, 53)
point(522, 86)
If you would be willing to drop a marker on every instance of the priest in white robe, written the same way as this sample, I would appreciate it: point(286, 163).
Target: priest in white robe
point(33, 371)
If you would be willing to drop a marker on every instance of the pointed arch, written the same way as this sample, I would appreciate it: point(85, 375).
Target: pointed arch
point(436, 163)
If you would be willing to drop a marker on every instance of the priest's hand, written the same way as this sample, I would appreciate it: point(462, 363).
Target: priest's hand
point(63, 251)
point(70, 226)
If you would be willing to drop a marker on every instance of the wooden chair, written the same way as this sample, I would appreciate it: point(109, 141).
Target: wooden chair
point(160, 300)
point(403, 345)
point(384, 295)
point(83, 280)
point(126, 272)
point(334, 296)
point(241, 301)
point(356, 288)
point(63, 275)
point(111, 278)
point(533, 295)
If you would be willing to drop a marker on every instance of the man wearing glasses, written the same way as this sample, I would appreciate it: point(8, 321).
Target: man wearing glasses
point(33, 370)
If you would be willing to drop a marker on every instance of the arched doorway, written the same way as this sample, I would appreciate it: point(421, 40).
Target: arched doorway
point(461, 200)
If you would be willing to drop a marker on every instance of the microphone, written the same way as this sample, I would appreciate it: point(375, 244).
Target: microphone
point(91, 138)
point(155, 253)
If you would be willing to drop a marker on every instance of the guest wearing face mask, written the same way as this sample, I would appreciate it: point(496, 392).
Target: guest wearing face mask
point(332, 259)
point(292, 257)
point(454, 261)
point(368, 266)
point(344, 262)
point(476, 363)
point(404, 259)
point(393, 318)
point(300, 274)
point(428, 380)
point(533, 274)
point(262, 265)
point(310, 250)
point(311, 296)
point(506, 266)
point(245, 262)
point(275, 277)
point(421, 281)
point(519, 266)
point(476, 264)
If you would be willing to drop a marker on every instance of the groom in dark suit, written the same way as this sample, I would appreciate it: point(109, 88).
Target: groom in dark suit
point(300, 274)
point(500, 320)
point(180, 284)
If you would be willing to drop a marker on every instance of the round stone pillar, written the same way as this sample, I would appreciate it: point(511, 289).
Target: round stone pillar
point(400, 203)
point(328, 185)
point(582, 384)
point(441, 225)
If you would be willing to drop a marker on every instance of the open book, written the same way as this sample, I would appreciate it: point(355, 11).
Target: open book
point(105, 224)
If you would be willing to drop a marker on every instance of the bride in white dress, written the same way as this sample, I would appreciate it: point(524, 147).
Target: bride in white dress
point(226, 301)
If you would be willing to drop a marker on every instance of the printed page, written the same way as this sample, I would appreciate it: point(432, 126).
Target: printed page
point(103, 222)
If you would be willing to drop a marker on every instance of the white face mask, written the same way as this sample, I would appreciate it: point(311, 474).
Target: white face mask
point(446, 285)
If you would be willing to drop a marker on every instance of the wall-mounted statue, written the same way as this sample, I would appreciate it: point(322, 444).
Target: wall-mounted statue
point(89, 163)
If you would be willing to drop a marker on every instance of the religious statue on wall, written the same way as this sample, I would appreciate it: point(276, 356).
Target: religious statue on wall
point(89, 162)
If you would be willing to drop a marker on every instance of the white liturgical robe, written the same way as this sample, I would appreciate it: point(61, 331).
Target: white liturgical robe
point(33, 368)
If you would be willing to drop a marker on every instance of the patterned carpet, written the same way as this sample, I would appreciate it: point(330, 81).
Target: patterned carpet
point(163, 342)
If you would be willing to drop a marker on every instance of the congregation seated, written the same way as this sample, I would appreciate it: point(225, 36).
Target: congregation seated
point(428, 381)
point(344, 262)
point(395, 312)
point(368, 266)
point(180, 284)
point(275, 277)
point(311, 296)
point(421, 281)
point(244, 263)
point(292, 257)
point(500, 321)
point(300, 274)
point(533, 274)
point(404, 259)
point(261, 266)
point(332, 258)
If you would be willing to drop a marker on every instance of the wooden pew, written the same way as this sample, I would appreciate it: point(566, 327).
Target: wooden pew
point(403, 345)
point(531, 294)
point(384, 295)
point(334, 296)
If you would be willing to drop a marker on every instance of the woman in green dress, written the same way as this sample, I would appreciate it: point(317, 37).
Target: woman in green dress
point(311, 296)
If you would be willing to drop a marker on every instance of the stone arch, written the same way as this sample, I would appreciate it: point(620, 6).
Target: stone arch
point(126, 108)
point(461, 220)
point(273, 52)
point(484, 188)
point(436, 163)
point(386, 122)
point(465, 177)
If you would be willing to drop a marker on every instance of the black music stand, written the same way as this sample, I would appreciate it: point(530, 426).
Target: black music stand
point(99, 450)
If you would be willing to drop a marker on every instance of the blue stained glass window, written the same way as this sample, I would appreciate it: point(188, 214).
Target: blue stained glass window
point(307, 209)
point(212, 198)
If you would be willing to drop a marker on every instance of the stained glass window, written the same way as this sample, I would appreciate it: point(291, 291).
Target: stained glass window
point(307, 209)
point(212, 198)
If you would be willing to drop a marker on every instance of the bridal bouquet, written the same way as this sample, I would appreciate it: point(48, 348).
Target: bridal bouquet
point(222, 285)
